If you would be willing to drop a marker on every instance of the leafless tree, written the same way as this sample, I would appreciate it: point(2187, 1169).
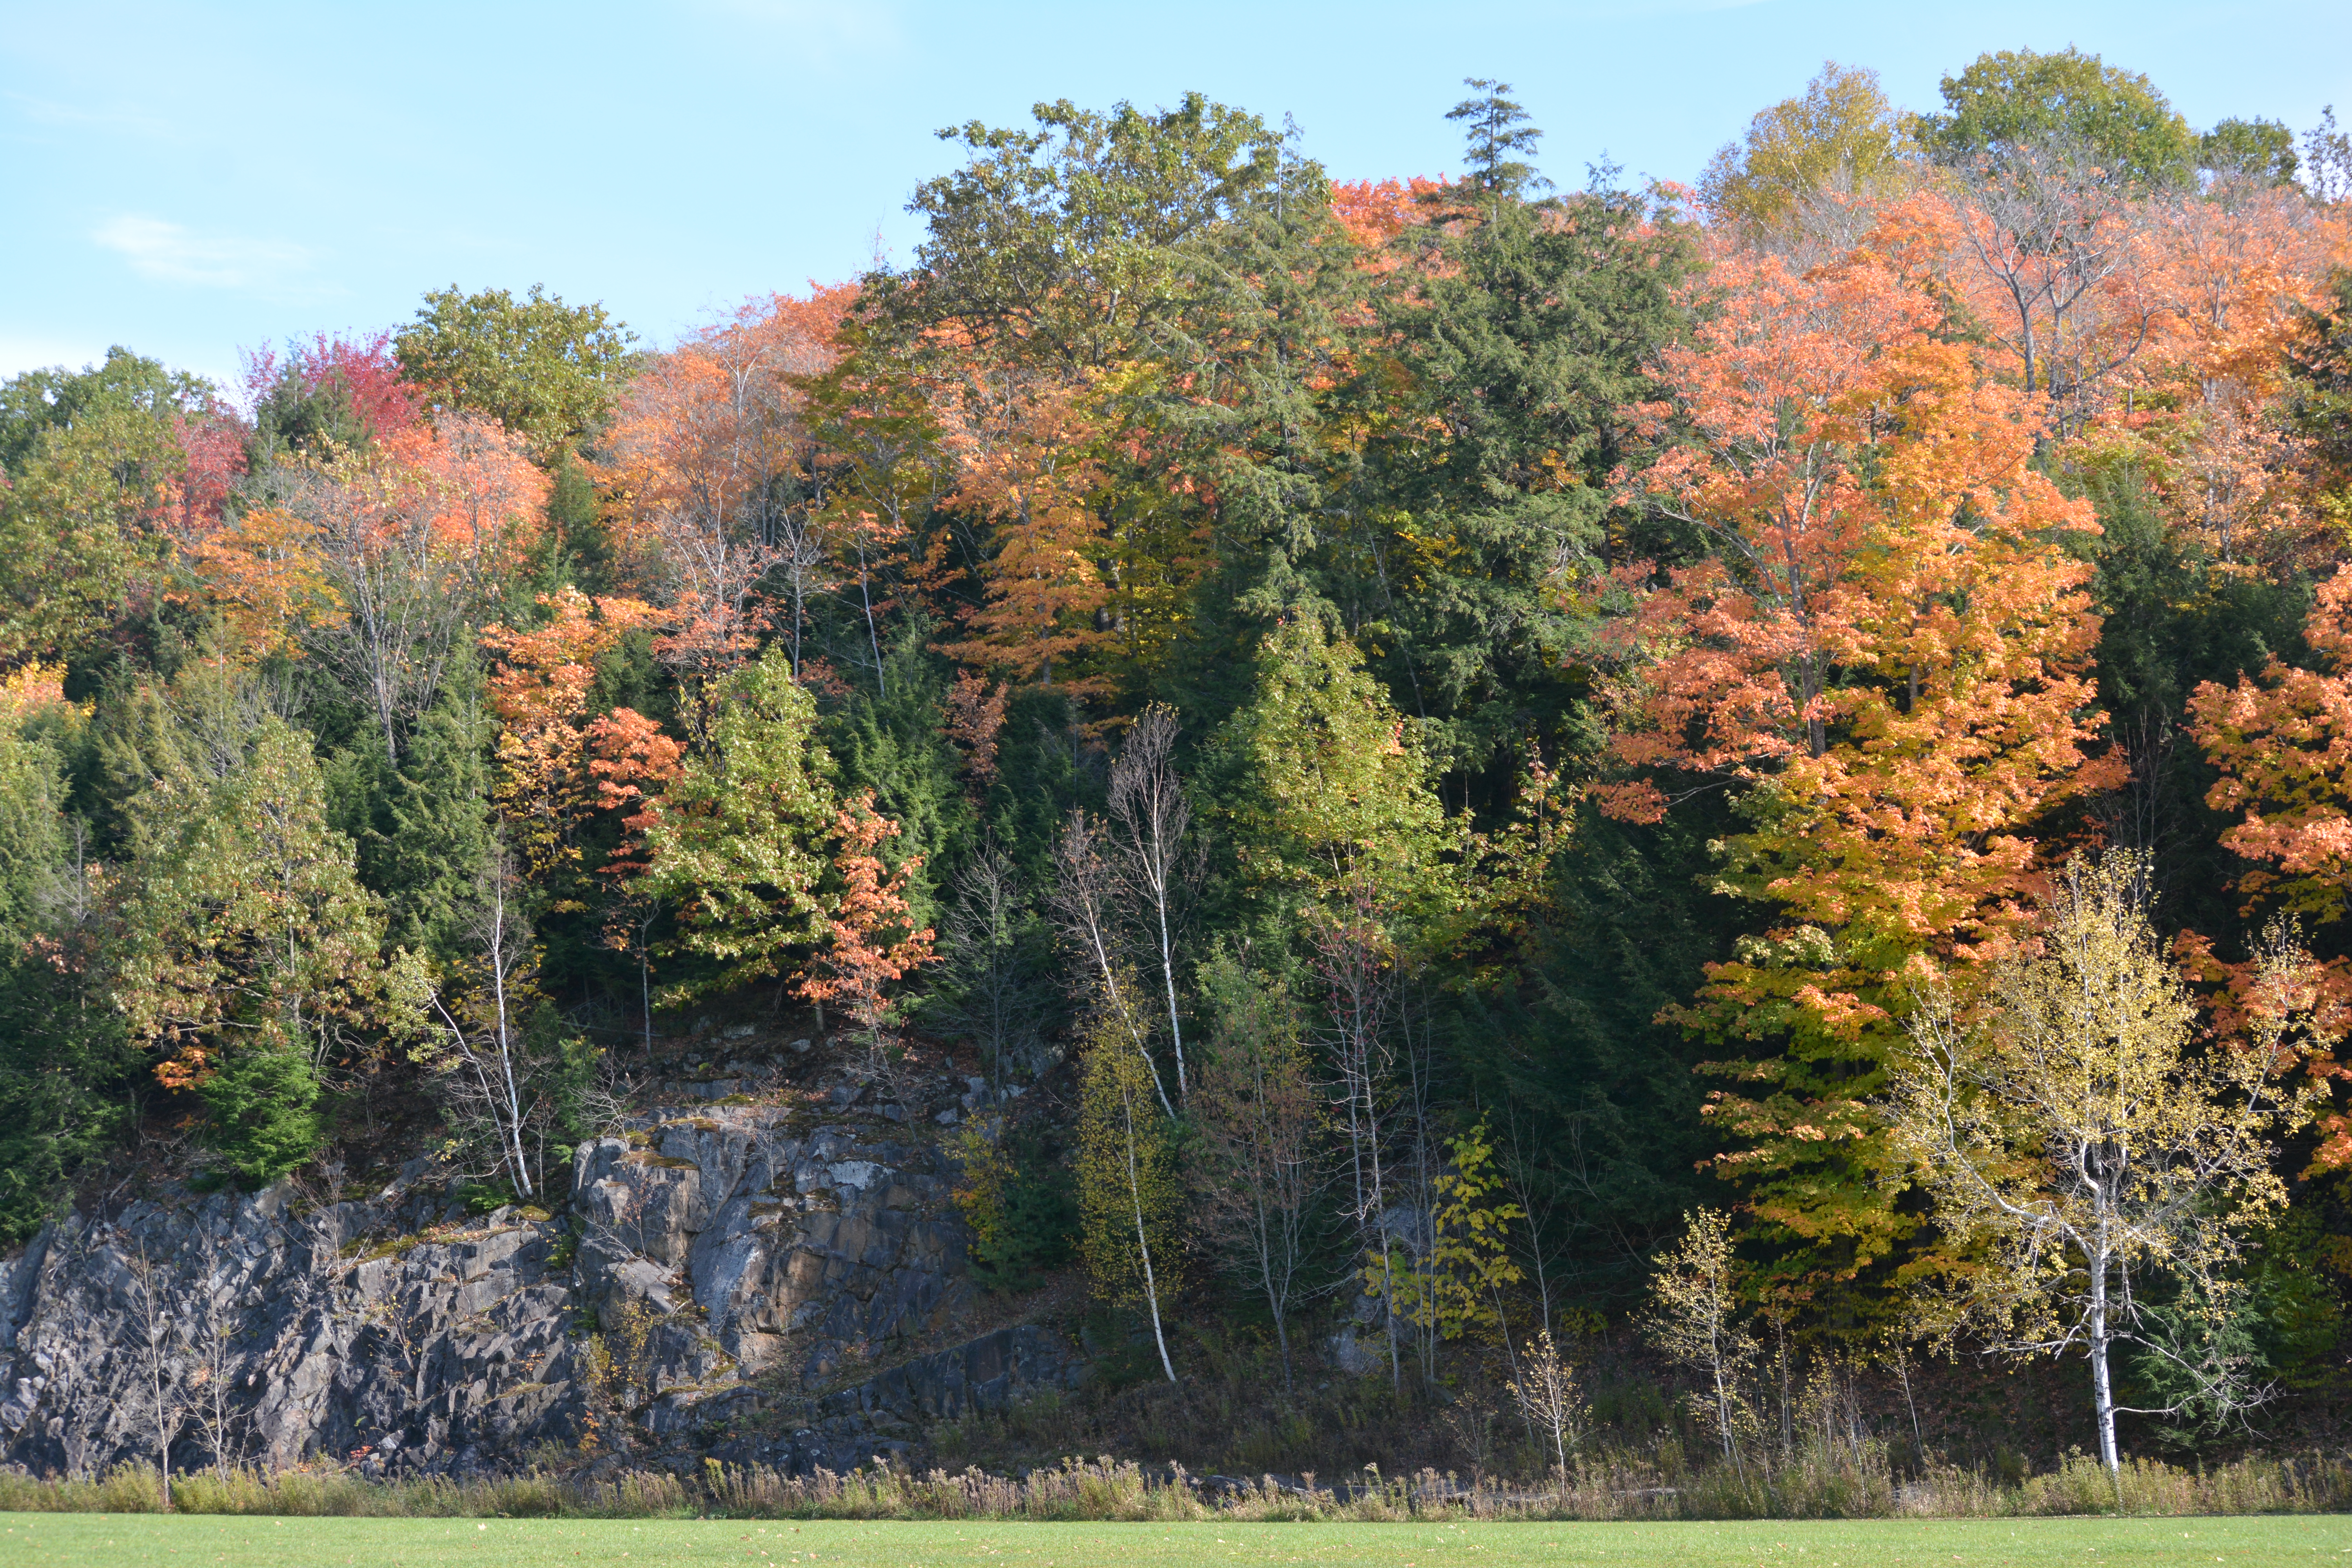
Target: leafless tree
point(987, 987)
point(1262, 1131)
point(1537, 1200)
point(400, 1324)
point(1087, 892)
point(214, 1382)
point(1356, 965)
point(628, 929)
point(1545, 1391)
point(2052, 232)
point(406, 591)
point(2327, 160)
point(479, 1052)
point(1155, 862)
point(158, 1341)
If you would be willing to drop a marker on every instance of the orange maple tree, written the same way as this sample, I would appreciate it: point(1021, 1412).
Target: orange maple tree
point(699, 446)
point(548, 782)
point(1885, 653)
point(2283, 741)
point(1025, 446)
point(871, 940)
point(2235, 269)
point(265, 575)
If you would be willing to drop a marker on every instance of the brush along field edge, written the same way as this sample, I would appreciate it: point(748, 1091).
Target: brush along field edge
point(107, 1540)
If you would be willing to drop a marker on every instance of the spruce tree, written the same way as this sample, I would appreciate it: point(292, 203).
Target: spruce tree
point(429, 859)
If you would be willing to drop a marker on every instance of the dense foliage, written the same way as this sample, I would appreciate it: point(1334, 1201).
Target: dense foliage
point(1457, 722)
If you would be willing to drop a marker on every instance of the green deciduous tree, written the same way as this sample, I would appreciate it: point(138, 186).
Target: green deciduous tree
point(1843, 137)
point(1455, 1288)
point(1063, 242)
point(81, 518)
point(253, 958)
point(2259, 149)
point(1337, 798)
point(65, 1058)
point(547, 371)
point(738, 843)
point(1335, 822)
point(2015, 100)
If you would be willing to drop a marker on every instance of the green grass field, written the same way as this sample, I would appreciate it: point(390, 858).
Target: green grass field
point(134, 1540)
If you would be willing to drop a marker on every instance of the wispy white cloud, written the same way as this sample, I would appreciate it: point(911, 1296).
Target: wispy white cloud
point(172, 253)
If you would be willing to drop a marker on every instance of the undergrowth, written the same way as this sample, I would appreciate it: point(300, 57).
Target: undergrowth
point(1104, 1489)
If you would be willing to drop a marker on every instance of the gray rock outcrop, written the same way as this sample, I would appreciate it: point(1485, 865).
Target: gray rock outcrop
point(775, 1276)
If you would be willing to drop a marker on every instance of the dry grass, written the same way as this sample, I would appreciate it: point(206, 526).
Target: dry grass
point(1109, 1490)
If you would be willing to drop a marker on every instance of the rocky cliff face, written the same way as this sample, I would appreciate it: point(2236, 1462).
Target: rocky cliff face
point(771, 1282)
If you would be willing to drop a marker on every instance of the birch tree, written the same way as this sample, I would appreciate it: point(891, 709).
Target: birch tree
point(1147, 802)
point(1693, 1317)
point(479, 1051)
point(1087, 906)
point(2072, 1129)
point(1128, 1190)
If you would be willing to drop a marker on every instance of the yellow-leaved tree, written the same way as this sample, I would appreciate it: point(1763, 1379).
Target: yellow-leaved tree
point(1129, 1193)
point(1695, 1317)
point(2075, 1133)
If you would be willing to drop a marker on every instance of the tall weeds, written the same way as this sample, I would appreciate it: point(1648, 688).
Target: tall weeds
point(1606, 1488)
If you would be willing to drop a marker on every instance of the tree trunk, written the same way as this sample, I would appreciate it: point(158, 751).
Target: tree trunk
point(873, 637)
point(1142, 1241)
point(1168, 972)
point(1281, 1338)
point(2102, 1393)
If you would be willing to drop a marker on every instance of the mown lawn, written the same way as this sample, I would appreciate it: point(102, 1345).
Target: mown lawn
point(107, 1540)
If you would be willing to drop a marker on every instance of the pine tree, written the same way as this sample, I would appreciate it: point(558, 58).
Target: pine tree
point(1499, 135)
point(428, 863)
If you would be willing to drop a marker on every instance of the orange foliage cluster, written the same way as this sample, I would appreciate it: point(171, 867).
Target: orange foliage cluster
point(1888, 648)
point(695, 447)
point(2283, 741)
point(871, 938)
point(1889, 643)
point(552, 769)
point(456, 502)
point(2158, 324)
point(1022, 446)
point(975, 715)
point(473, 484)
point(1374, 212)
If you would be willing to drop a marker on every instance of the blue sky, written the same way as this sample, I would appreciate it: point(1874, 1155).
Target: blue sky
point(195, 179)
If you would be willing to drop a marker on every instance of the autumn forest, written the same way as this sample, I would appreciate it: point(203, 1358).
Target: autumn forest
point(1580, 804)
